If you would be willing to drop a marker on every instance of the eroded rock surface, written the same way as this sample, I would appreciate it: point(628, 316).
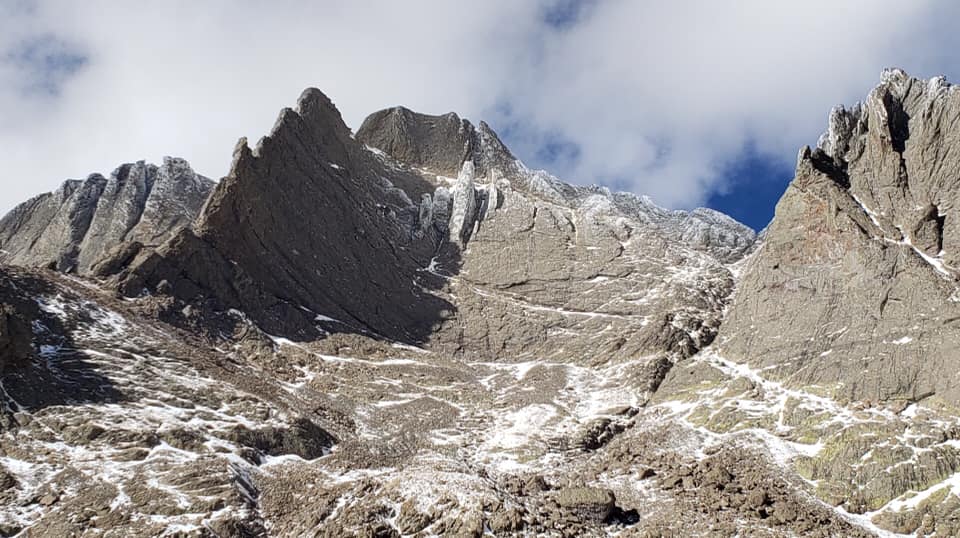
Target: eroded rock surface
point(863, 240)
point(550, 270)
point(315, 232)
point(838, 350)
point(114, 423)
point(74, 227)
point(309, 230)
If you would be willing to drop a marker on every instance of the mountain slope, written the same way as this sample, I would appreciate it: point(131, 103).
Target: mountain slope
point(840, 339)
point(307, 227)
point(115, 422)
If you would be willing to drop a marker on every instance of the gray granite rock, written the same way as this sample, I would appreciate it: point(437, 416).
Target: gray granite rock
point(547, 269)
point(587, 504)
point(408, 331)
point(308, 227)
point(439, 145)
point(463, 216)
point(74, 227)
point(501, 262)
point(854, 289)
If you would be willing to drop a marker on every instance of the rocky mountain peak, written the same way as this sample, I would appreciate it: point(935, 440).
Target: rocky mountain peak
point(299, 231)
point(867, 238)
point(297, 234)
point(892, 148)
point(314, 112)
point(84, 221)
point(440, 144)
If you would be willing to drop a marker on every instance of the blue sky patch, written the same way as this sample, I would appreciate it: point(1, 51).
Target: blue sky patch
point(564, 14)
point(748, 188)
point(754, 184)
point(44, 63)
point(557, 152)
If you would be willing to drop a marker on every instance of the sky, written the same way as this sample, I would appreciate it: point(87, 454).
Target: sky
point(690, 102)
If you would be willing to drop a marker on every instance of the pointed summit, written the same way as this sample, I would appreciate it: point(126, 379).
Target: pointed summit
point(867, 239)
point(440, 144)
point(76, 226)
point(308, 224)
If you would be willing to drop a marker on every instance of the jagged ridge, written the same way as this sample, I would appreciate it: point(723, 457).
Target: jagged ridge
point(76, 226)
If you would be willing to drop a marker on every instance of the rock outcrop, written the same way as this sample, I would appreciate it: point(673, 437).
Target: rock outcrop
point(547, 269)
point(308, 231)
point(863, 253)
point(16, 325)
point(589, 504)
point(440, 144)
point(463, 216)
point(74, 227)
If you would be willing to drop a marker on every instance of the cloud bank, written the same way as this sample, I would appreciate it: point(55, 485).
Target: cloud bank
point(653, 97)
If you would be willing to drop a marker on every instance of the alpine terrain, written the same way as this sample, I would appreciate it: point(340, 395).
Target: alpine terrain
point(404, 331)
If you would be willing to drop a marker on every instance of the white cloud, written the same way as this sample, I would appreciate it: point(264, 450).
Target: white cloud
point(656, 95)
point(699, 79)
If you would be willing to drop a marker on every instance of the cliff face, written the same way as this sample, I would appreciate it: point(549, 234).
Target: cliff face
point(552, 270)
point(77, 226)
point(855, 287)
point(440, 144)
point(16, 332)
point(838, 350)
point(308, 230)
point(424, 229)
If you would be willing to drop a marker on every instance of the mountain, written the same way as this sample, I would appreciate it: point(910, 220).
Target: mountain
point(862, 250)
point(315, 231)
point(404, 331)
point(841, 331)
point(75, 227)
point(865, 237)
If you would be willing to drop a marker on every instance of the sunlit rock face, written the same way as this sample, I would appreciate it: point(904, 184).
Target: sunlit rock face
point(85, 221)
point(865, 240)
point(537, 268)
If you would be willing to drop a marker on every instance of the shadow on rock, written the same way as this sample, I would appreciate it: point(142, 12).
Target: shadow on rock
point(39, 363)
point(310, 233)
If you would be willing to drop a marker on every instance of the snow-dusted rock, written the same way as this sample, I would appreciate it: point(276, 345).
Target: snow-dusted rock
point(425, 216)
point(76, 226)
point(555, 269)
point(493, 196)
point(866, 239)
point(464, 212)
